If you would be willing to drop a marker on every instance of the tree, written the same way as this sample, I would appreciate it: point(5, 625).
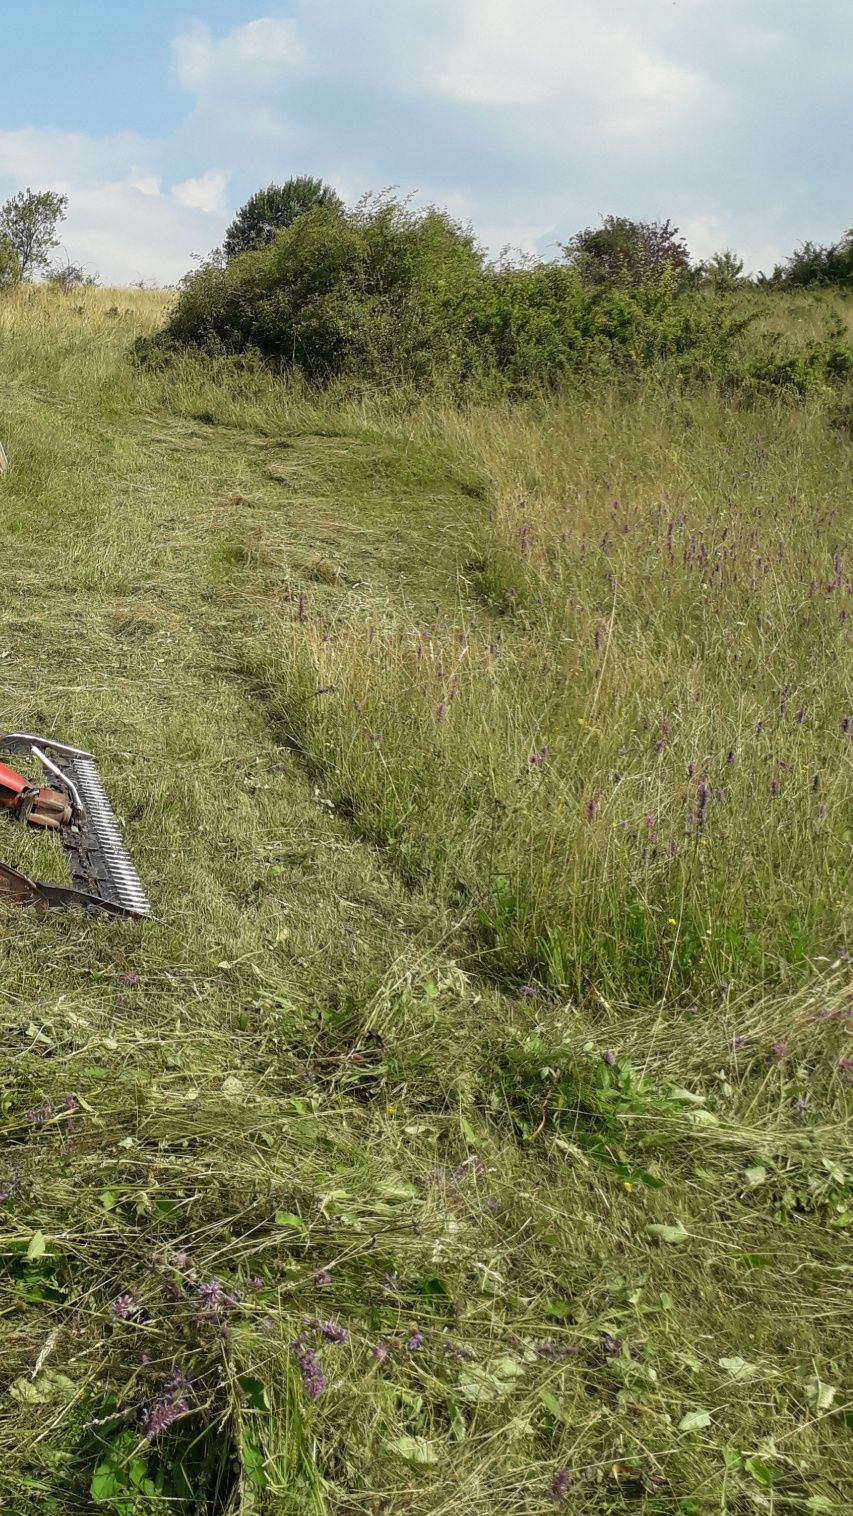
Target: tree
point(29, 221)
point(273, 209)
point(625, 249)
point(723, 271)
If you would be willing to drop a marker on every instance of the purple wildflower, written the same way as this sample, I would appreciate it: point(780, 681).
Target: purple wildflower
point(178, 1383)
point(526, 992)
point(214, 1301)
point(736, 1043)
point(470, 1165)
point(703, 795)
point(38, 1113)
point(538, 758)
point(255, 1282)
point(558, 1489)
point(609, 1058)
point(801, 1105)
point(374, 737)
point(440, 710)
point(300, 608)
point(331, 1331)
point(847, 725)
point(160, 1417)
point(130, 981)
point(380, 1352)
point(730, 757)
point(779, 1049)
point(182, 1260)
point(774, 787)
point(591, 809)
point(310, 1369)
point(9, 1187)
point(611, 1346)
point(416, 1341)
point(321, 1278)
point(123, 1307)
point(554, 1352)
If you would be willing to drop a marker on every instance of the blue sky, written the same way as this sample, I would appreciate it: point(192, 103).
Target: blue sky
point(529, 118)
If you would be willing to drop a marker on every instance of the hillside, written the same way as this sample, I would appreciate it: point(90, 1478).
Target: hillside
point(471, 1131)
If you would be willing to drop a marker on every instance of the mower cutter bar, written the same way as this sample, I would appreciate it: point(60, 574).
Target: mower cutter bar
point(103, 876)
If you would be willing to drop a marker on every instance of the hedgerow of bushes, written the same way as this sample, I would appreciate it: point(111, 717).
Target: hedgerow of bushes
point(391, 297)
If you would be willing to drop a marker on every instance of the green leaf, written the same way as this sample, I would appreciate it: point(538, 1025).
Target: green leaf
point(109, 1199)
point(672, 1234)
point(694, 1421)
point(37, 1247)
point(755, 1176)
point(554, 1404)
point(286, 1218)
point(819, 1395)
point(737, 1368)
point(761, 1471)
point(251, 1461)
point(414, 1449)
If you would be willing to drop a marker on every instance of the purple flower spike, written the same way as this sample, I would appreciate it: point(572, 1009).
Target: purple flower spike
point(526, 992)
point(332, 1332)
point(39, 1113)
point(558, 1489)
point(310, 1369)
point(415, 1342)
point(160, 1417)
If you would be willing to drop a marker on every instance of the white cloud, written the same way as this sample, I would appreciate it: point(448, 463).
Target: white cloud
point(119, 225)
point(526, 117)
point(204, 194)
point(148, 184)
point(543, 52)
point(255, 57)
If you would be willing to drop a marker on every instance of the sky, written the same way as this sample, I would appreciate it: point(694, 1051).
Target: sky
point(528, 119)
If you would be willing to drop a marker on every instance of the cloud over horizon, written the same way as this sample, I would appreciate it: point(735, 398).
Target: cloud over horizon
point(527, 117)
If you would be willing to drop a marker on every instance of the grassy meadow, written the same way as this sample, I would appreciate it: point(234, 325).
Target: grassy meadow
point(471, 1131)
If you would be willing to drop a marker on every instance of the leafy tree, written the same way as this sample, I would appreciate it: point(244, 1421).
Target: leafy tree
point(723, 271)
point(625, 249)
point(273, 209)
point(10, 268)
point(29, 221)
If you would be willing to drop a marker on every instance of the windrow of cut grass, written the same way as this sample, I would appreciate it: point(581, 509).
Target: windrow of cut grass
point(632, 768)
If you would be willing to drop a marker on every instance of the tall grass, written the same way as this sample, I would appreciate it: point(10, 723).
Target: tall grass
point(632, 766)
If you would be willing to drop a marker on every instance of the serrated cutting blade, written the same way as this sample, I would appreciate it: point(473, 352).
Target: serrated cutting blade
point(98, 854)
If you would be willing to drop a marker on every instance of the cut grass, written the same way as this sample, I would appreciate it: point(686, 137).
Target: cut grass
point(590, 1234)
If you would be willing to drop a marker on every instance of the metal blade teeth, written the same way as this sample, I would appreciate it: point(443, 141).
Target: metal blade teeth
point(99, 812)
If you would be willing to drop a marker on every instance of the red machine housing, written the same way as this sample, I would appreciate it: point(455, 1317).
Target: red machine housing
point(27, 802)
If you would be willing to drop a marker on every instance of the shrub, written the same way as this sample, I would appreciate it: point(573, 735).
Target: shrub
point(621, 249)
point(374, 294)
point(814, 265)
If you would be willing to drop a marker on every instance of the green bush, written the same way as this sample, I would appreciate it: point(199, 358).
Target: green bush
point(389, 297)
